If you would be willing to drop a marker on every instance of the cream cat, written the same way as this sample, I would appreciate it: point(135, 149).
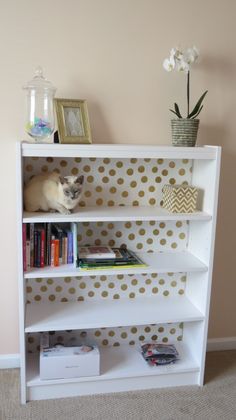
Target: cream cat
point(53, 192)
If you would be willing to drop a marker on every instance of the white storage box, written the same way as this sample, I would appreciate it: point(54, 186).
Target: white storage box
point(61, 362)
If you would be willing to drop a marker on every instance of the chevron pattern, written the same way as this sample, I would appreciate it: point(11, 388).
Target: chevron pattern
point(180, 198)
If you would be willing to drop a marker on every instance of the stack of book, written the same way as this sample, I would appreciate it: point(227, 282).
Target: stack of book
point(104, 257)
point(47, 244)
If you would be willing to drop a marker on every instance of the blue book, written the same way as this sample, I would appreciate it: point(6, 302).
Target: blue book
point(36, 248)
point(69, 247)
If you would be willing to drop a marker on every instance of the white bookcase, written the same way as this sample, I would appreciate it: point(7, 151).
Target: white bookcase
point(120, 309)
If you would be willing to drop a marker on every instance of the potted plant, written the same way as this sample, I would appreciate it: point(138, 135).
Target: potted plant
point(184, 130)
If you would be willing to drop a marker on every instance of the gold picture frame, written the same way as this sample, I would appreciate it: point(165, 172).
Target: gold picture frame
point(73, 121)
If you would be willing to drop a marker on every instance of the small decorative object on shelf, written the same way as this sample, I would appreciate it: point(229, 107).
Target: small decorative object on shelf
point(40, 107)
point(184, 130)
point(180, 198)
point(61, 362)
point(159, 354)
point(73, 121)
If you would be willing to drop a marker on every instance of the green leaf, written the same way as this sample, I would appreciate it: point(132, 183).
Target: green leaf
point(177, 111)
point(194, 116)
point(197, 106)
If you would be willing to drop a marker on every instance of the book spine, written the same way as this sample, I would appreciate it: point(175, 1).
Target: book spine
point(35, 247)
point(48, 245)
point(60, 237)
point(38, 249)
point(75, 244)
point(52, 252)
point(42, 247)
point(66, 248)
point(63, 250)
point(24, 245)
point(56, 253)
point(28, 255)
point(70, 247)
point(45, 243)
point(31, 244)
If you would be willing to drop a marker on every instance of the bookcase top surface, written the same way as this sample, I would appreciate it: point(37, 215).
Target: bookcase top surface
point(118, 151)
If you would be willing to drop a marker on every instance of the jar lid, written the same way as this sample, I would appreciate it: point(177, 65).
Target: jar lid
point(39, 82)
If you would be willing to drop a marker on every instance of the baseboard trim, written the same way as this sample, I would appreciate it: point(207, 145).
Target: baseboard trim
point(219, 344)
point(9, 361)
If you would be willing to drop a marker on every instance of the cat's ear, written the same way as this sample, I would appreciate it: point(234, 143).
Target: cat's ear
point(80, 179)
point(63, 180)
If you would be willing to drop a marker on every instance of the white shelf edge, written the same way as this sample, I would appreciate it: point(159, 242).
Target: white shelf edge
point(116, 213)
point(107, 313)
point(134, 366)
point(163, 262)
point(118, 151)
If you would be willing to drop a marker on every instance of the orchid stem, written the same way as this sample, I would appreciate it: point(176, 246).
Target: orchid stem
point(188, 89)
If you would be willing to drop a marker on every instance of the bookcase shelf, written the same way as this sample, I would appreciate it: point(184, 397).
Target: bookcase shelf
point(124, 362)
point(116, 213)
point(161, 262)
point(109, 313)
point(167, 301)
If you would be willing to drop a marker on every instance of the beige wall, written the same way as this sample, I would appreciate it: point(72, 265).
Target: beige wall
point(111, 52)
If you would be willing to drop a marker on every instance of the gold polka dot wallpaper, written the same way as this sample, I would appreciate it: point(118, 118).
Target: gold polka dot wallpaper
point(112, 337)
point(117, 182)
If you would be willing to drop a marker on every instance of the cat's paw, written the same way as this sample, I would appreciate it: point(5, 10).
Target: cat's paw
point(65, 211)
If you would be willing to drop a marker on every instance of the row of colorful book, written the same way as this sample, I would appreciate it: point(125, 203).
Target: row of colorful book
point(52, 244)
point(47, 244)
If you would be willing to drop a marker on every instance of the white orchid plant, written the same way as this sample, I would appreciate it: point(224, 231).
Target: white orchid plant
point(182, 61)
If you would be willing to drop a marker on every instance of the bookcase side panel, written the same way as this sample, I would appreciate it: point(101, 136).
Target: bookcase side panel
point(202, 241)
point(21, 283)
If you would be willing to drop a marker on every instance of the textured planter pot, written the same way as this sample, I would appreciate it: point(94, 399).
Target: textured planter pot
point(184, 132)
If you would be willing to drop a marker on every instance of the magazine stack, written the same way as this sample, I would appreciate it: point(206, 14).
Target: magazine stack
point(105, 257)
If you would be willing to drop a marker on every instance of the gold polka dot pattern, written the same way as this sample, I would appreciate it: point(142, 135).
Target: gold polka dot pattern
point(113, 337)
point(106, 287)
point(137, 236)
point(112, 182)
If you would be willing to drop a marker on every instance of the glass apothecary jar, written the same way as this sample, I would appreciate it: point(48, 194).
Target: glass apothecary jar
point(40, 107)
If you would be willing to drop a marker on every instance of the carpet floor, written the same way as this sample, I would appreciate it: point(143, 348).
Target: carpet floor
point(215, 400)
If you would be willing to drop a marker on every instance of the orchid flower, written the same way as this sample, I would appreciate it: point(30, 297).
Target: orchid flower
point(182, 61)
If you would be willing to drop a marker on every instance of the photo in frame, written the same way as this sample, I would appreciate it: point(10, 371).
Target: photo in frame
point(73, 121)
